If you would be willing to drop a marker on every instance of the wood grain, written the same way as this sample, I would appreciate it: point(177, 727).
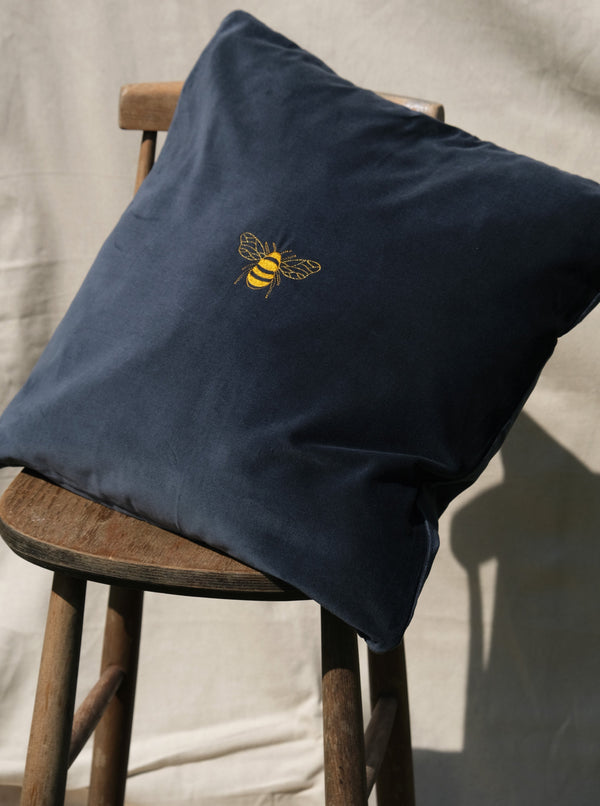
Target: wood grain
point(112, 738)
point(148, 106)
point(151, 106)
point(395, 780)
point(45, 776)
point(54, 528)
point(343, 739)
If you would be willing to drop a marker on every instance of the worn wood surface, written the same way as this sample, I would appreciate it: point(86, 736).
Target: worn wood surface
point(395, 780)
point(343, 739)
point(150, 106)
point(45, 776)
point(57, 529)
point(113, 734)
point(431, 108)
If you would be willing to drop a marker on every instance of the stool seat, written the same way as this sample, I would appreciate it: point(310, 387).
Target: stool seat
point(82, 540)
point(52, 527)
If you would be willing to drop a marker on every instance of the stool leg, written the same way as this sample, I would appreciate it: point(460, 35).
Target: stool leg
point(113, 734)
point(395, 782)
point(343, 739)
point(45, 777)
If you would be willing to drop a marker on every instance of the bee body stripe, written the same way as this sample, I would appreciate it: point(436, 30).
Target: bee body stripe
point(256, 282)
point(265, 270)
point(258, 271)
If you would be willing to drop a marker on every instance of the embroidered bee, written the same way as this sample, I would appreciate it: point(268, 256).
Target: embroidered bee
point(266, 265)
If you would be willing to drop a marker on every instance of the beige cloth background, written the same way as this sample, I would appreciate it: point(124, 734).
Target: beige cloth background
point(504, 652)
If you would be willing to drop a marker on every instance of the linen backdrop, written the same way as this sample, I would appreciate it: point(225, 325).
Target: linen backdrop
point(504, 650)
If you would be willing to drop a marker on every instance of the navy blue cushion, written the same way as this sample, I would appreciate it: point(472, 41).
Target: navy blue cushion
point(311, 329)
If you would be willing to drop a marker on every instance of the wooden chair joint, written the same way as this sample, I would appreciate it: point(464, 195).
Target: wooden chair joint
point(93, 707)
point(377, 736)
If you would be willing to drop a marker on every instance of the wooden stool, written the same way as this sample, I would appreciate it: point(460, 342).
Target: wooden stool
point(80, 540)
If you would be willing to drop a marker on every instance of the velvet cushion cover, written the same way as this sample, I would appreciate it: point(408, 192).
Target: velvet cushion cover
point(311, 329)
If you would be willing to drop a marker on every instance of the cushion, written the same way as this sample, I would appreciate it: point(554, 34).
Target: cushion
point(311, 328)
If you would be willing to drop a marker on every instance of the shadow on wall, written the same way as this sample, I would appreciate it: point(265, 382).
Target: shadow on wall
point(532, 722)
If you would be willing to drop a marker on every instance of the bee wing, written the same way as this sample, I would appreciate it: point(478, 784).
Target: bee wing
point(250, 247)
point(299, 268)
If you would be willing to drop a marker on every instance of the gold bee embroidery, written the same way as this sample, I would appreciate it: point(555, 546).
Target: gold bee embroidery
point(266, 265)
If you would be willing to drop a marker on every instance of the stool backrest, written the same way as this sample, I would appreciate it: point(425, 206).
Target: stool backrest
point(149, 107)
